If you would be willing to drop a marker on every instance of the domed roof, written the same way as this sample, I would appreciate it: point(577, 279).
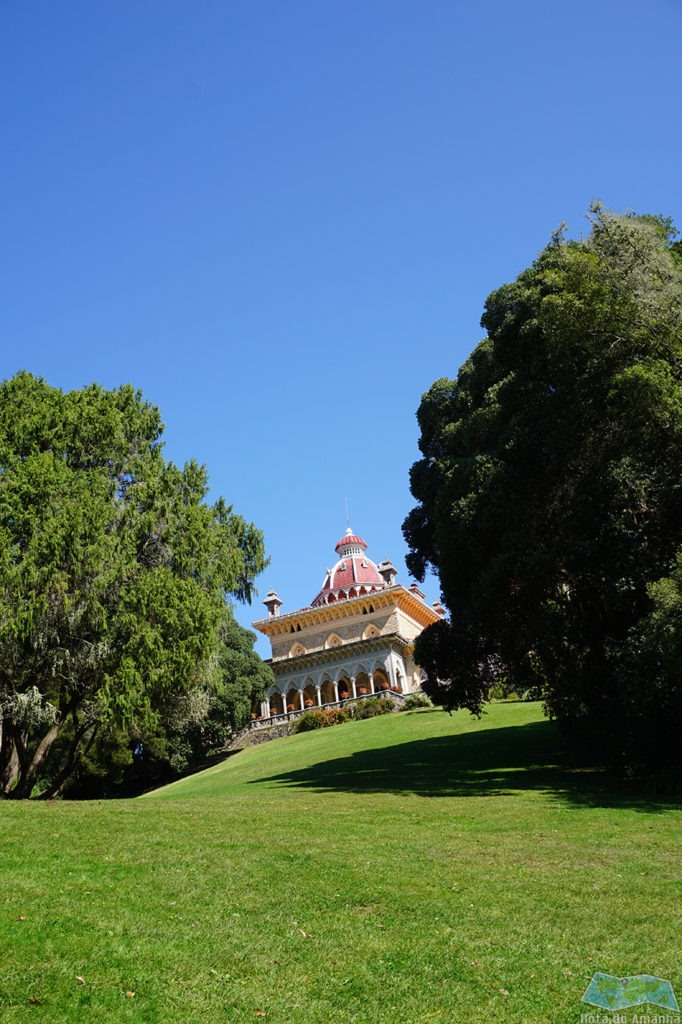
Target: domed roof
point(354, 574)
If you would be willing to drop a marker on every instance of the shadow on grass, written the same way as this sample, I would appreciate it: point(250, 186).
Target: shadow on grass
point(489, 762)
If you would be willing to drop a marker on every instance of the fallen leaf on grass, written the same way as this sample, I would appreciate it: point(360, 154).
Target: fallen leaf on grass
point(504, 992)
point(303, 933)
point(129, 994)
point(475, 963)
point(22, 917)
point(79, 977)
point(260, 1013)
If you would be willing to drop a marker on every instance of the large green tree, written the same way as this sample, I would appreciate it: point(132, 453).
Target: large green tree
point(114, 576)
point(550, 491)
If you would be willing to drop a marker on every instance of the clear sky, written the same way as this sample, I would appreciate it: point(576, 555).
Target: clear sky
point(280, 220)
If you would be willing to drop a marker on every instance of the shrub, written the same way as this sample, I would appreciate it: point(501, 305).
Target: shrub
point(336, 716)
point(310, 720)
point(416, 700)
point(372, 707)
point(322, 718)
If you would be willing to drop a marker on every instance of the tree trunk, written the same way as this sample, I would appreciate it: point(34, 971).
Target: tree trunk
point(10, 771)
point(30, 770)
point(56, 787)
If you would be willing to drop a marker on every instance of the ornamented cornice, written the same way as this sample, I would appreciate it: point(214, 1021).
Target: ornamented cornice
point(396, 596)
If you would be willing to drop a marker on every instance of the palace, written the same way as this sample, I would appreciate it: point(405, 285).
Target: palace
point(355, 638)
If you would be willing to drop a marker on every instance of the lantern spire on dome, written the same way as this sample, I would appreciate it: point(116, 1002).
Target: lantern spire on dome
point(350, 543)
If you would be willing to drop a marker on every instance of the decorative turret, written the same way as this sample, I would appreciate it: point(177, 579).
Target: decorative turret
point(272, 603)
point(387, 571)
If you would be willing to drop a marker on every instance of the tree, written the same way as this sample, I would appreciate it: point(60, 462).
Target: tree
point(204, 720)
point(550, 486)
point(114, 575)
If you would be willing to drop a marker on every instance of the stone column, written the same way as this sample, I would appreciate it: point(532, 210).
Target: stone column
point(318, 691)
point(352, 686)
point(336, 691)
point(371, 682)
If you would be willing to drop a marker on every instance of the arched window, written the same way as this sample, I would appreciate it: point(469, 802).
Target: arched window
point(344, 687)
point(380, 679)
point(327, 691)
point(276, 701)
point(294, 701)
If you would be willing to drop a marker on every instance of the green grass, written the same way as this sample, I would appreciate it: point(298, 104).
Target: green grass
point(403, 869)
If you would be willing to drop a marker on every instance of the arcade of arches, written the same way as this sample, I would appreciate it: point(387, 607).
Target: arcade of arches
point(329, 691)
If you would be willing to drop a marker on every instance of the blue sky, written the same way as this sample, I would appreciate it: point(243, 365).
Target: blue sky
point(280, 220)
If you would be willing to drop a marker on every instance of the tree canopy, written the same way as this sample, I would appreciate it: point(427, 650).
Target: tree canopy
point(550, 490)
point(115, 578)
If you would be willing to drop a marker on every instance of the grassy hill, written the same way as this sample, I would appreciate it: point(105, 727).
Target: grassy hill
point(417, 867)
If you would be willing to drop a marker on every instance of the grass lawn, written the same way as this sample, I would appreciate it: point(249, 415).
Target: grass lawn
point(417, 867)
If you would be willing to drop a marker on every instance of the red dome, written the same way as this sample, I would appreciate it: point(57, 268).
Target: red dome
point(353, 574)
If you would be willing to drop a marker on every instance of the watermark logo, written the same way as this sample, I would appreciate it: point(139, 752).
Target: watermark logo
point(611, 993)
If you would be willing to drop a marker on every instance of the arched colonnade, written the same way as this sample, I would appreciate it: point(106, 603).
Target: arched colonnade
point(301, 695)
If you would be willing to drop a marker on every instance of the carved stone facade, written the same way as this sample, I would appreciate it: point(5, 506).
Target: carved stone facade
point(356, 638)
